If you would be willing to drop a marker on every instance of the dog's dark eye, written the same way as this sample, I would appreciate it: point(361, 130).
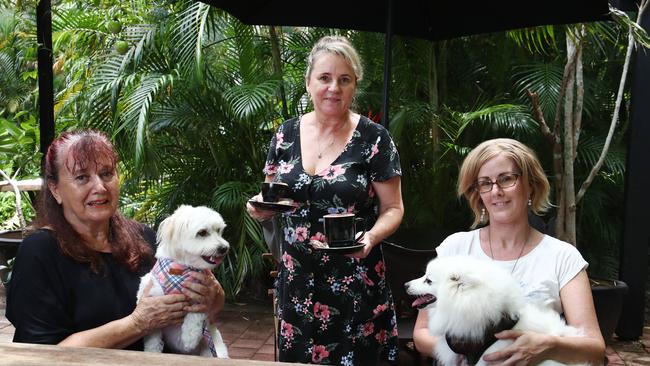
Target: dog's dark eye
point(202, 233)
point(427, 281)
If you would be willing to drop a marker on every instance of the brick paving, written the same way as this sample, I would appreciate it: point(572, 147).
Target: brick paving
point(247, 329)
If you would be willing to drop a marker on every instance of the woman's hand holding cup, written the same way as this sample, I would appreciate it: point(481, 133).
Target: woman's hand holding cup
point(366, 239)
point(256, 213)
point(272, 193)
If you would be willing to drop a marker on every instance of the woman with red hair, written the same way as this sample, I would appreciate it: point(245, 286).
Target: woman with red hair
point(76, 276)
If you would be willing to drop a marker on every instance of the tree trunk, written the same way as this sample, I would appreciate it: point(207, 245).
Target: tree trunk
point(617, 107)
point(580, 92)
point(567, 205)
point(19, 206)
point(277, 68)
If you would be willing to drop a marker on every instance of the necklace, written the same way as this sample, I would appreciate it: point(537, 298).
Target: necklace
point(320, 151)
point(328, 146)
point(520, 253)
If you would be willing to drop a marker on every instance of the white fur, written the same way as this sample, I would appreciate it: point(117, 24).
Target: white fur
point(471, 294)
point(185, 236)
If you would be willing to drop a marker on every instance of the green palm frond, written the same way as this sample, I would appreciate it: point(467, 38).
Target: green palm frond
point(232, 195)
point(510, 117)
point(77, 27)
point(13, 87)
point(8, 22)
point(541, 78)
point(640, 35)
point(602, 33)
point(245, 55)
point(248, 100)
point(535, 40)
point(589, 151)
point(140, 37)
point(499, 116)
point(138, 108)
point(189, 37)
point(17, 32)
point(412, 114)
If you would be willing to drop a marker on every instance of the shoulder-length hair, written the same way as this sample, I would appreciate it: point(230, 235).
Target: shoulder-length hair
point(125, 236)
point(524, 158)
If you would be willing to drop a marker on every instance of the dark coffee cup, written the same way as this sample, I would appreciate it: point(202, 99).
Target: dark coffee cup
point(274, 191)
point(341, 229)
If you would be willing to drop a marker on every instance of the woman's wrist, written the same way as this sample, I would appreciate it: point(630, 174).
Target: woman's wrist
point(372, 238)
point(219, 303)
point(263, 220)
point(136, 323)
point(550, 344)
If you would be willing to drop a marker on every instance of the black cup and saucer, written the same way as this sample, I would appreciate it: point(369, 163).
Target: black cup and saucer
point(273, 198)
point(341, 233)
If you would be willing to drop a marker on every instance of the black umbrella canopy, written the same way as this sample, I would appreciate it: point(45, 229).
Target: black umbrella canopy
point(433, 20)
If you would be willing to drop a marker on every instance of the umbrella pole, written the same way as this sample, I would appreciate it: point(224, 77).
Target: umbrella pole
point(45, 74)
point(388, 57)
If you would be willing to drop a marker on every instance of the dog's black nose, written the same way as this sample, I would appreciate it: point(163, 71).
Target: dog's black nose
point(222, 250)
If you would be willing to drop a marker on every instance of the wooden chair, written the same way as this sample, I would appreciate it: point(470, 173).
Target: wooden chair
point(402, 265)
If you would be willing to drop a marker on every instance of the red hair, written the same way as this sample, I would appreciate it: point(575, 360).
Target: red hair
point(125, 236)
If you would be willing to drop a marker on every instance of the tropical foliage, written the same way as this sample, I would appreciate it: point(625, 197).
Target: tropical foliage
point(191, 98)
point(18, 121)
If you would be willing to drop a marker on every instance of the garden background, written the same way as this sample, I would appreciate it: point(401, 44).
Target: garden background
point(191, 98)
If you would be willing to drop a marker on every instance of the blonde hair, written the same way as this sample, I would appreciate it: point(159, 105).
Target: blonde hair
point(337, 45)
point(525, 160)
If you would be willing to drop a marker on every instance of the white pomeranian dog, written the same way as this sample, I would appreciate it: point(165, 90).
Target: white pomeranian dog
point(190, 240)
point(469, 300)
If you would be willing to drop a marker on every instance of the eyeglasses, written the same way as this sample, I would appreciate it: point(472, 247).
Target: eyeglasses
point(504, 180)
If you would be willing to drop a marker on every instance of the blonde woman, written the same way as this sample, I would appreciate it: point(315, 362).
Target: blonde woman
point(334, 308)
point(502, 180)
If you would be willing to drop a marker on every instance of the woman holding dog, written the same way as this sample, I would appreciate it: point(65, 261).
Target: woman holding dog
point(502, 180)
point(76, 276)
point(334, 308)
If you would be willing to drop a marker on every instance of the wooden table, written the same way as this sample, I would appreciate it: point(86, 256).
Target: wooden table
point(23, 354)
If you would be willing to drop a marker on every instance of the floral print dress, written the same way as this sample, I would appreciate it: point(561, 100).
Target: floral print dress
point(333, 309)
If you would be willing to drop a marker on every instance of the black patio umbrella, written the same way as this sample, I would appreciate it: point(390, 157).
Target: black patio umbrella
point(427, 19)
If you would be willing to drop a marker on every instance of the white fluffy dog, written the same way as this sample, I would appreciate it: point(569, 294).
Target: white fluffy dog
point(469, 300)
point(190, 240)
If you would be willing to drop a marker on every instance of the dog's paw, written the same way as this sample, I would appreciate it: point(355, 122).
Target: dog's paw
point(219, 344)
point(153, 343)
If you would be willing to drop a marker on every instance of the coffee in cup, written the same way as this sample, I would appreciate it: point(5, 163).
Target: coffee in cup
point(341, 229)
point(274, 191)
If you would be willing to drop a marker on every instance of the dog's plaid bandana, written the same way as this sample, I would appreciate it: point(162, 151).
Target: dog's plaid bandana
point(171, 276)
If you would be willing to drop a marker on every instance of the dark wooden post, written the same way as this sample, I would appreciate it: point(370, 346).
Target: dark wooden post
point(45, 74)
point(388, 59)
point(636, 236)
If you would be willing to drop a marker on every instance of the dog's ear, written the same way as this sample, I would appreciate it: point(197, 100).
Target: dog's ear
point(166, 232)
point(462, 280)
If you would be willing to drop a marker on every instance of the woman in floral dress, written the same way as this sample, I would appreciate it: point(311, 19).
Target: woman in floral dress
point(333, 308)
